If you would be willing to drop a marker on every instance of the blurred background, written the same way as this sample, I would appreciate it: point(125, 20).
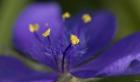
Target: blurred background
point(126, 11)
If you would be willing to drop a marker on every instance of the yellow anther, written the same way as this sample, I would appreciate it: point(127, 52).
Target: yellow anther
point(46, 33)
point(33, 27)
point(86, 18)
point(74, 39)
point(66, 15)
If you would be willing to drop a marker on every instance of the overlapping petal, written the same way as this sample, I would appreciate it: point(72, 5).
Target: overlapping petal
point(44, 77)
point(13, 70)
point(122, 59)
point(34, 45)
point(94, 35)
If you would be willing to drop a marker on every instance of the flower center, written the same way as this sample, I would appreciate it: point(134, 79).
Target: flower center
point(50, 49)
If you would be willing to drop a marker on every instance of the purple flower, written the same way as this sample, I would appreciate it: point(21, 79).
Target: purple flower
point(13, 70)
point(79, 46)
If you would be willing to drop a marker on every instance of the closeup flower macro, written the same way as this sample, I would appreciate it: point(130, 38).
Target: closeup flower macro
point(79, 46)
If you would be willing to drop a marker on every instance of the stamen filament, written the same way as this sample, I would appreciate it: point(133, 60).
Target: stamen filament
point(64, 55)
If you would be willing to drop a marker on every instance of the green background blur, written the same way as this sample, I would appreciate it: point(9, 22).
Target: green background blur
point(126, 11)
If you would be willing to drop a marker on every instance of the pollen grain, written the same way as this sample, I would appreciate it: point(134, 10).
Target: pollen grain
point(66, 15)
point(86, 18)
point(74, 39)
point(33, 27)
point(46, 33)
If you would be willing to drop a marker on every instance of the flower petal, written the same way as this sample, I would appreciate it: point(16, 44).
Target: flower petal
point(13, 70)
point(122, 59)
point(94, 35)
point(46, 77)
point(47, 16)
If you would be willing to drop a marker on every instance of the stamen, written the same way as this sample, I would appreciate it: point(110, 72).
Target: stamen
point(46, 33)
point(33, 27)
point(66, 15)
point(74, 39)
point(86, 18)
